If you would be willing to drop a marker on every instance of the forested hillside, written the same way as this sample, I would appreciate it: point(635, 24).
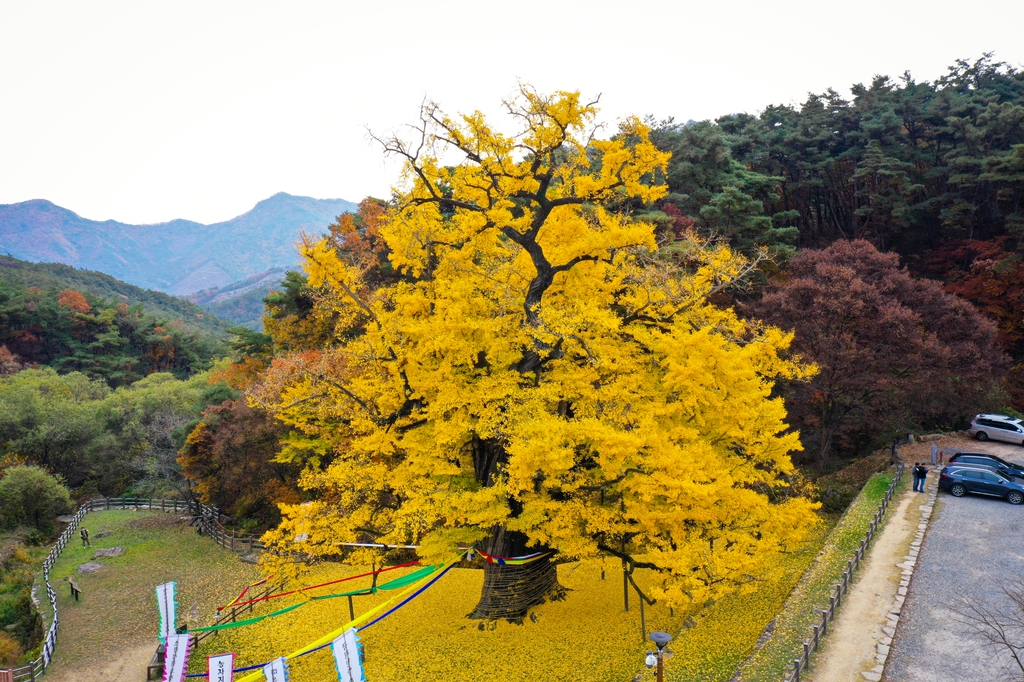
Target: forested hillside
point(109, 340)
point(932, 171)
point(242, 302)
point(57, 275)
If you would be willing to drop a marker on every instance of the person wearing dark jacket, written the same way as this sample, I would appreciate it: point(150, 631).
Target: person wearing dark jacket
point(920, 474)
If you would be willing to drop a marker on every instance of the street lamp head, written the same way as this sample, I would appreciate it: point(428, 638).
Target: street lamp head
point(661, 639)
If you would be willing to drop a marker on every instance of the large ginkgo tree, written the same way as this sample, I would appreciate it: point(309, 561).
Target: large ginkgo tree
point(539, 373)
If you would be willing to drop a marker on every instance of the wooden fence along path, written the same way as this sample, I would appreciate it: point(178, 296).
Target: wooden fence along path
point(828, 614)
point(208, 520)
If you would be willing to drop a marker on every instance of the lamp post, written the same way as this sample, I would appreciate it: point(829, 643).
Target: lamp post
point(661, 639)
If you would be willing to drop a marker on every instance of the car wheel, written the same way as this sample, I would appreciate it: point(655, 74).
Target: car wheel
point(982, 436)
point(1015, 497)
point(957, 490)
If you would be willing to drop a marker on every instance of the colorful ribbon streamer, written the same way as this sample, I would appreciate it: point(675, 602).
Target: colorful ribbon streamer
point(510, 560)
point(243, 593)
point(395, 584)
point(316, 587)
point(327, 639)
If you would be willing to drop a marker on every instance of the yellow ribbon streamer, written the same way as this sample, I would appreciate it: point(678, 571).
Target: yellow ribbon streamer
point(331, 636)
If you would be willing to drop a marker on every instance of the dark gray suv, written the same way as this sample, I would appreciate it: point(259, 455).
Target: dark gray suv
point(987, 460)
point(981, 480)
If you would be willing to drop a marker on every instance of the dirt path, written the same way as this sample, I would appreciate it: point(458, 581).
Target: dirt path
point(850, 644)
point(127, 666)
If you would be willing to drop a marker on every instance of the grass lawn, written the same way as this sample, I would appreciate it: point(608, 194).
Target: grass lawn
point(793, 624)
point(118, 611)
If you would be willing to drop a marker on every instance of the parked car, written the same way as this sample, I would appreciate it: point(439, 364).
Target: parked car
point(987, 460)
point(959, 481)
point(997, 427)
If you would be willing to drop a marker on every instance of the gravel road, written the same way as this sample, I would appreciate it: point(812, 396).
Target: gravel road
point(973, 546)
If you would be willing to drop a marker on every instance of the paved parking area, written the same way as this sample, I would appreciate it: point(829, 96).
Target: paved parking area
point(974, 545)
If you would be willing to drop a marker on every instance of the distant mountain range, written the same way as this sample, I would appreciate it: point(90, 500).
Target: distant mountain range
point(178, 257)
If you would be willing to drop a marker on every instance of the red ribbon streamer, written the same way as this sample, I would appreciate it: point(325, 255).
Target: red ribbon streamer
point(333, 582)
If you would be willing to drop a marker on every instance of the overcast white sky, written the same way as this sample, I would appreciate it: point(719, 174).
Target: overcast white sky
point(148, 111)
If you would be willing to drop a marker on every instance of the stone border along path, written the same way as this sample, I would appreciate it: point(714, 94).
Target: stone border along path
point(907, 565)
point(857, 644)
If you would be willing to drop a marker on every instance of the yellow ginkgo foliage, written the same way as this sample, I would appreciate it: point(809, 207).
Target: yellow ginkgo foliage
point(542, 374)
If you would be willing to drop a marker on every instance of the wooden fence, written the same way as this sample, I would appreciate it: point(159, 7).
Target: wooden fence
point(208, 520)
point(36, 667)
point(835, 601)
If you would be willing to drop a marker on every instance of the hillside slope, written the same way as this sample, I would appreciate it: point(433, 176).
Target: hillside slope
point(46, 275)
point(240, 302)
point(177, 257)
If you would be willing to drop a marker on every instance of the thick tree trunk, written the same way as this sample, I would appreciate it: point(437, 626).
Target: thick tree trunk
point(510, 591)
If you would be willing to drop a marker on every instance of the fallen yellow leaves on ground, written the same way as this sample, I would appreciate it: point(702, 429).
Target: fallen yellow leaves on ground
point(587, 637)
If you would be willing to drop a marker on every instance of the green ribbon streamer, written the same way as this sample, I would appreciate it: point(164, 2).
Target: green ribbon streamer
point(395, 584)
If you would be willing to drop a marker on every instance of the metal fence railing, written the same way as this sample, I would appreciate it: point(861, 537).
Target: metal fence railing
point(827, 614)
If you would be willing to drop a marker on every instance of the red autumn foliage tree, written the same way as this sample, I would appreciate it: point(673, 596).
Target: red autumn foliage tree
point(229, 457)
point(681, 224)
point(990, 274)
point(894, 352)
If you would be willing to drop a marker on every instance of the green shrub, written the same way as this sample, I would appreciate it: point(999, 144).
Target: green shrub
point(31, 497)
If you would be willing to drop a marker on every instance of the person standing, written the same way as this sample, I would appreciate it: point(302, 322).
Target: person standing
point(924, 476)
point(917, 476)
point(84, 533)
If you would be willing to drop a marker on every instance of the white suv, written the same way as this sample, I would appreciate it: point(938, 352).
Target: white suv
point(997, 427)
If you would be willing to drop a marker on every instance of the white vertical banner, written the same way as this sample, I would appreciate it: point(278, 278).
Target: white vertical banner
point(165, 600)
point(348, 658)
point(220, 668)
point(177, 657)
point(276, 670)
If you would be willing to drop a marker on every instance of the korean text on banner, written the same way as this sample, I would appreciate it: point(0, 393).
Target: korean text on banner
point(177, 657)
point(220, 668)
point(276, 670)
point(165, 600)
point(346, 657)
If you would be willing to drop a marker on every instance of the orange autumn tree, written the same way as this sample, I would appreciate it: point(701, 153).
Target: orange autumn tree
point(543, 375)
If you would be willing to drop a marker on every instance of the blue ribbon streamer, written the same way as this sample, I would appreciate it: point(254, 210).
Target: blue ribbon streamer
point(376, 620)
